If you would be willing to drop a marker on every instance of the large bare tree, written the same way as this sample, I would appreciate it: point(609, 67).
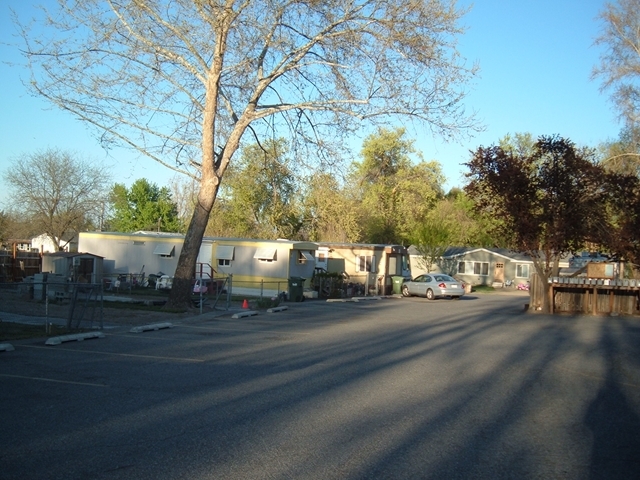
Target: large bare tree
point(619, 68)
point(59, 193)
point(181, 81)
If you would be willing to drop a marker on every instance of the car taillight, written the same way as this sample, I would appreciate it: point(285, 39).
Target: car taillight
point(442, 285)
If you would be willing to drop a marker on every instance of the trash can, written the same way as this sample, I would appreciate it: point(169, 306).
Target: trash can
point(296, 289)
point(397, 284)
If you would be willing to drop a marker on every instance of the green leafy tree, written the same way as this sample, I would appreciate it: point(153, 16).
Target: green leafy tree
point(396, 193)
point(261, 192)
point(182, 81)
point(330, 212)
point(470, 227)
point(549, 203)
point(519, 144)
point(144, 206)
point(431, 241)
point(452, 222)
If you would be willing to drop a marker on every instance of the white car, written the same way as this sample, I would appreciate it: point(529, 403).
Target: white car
point(432, 286)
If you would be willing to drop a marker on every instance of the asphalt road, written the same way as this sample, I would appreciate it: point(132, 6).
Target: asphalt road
point(382, 389)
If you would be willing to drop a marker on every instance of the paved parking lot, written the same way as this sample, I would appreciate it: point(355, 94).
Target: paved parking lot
point(386, 389)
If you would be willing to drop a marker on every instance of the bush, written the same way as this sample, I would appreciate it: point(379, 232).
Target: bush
point(268, 302)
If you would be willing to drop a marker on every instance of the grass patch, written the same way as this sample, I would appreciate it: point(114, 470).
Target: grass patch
point(21, 331)
point(483, 289)
point(139, 306)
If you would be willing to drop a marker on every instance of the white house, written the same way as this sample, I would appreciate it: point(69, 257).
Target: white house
point(43, 244)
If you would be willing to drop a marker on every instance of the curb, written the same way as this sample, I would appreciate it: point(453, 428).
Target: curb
point(277, 309)
point(352, 299)
point(153, 326)
point(248, 313)
point(79, 337)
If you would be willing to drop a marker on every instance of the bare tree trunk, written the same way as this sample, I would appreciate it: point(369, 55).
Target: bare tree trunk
point(181, 289)
point(543, 274)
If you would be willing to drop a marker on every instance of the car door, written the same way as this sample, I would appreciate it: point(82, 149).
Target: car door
point(424, 286)
point(415, 285)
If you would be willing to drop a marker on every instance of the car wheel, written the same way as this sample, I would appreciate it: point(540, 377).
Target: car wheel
point(405, 291)
point(430, 295)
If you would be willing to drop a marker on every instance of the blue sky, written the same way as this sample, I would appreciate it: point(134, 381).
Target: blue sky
point(535, 59)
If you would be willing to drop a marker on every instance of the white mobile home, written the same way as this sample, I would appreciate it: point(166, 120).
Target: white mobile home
point(133, 253)
point(259, 267)
point(263, 267)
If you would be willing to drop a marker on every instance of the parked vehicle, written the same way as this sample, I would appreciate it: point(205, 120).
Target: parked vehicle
point(432, 286)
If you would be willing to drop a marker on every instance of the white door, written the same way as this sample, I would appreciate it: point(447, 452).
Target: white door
point(322, 258)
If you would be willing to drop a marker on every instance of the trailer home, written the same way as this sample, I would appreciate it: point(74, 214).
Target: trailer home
point(259, 267)
point(370, 266)
point(141, 252)
point(263, 267)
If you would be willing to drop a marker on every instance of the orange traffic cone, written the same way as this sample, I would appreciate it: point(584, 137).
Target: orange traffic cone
point(245, 304)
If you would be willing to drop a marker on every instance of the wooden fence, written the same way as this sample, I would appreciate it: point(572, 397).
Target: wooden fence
point(588, 295)
point(17, 265)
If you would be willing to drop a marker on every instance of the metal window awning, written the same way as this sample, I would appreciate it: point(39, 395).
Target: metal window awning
point(165, 249)
point(225, 252)
point(307, 256)
point(265, 253)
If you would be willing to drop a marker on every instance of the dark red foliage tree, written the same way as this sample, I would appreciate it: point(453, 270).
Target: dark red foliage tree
point(623, 210)
point(547, 203)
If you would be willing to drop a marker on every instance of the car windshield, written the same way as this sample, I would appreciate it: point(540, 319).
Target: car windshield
point(444, 278)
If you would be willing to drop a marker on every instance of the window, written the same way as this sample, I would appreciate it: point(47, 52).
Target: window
point(480, 268)
point(266, 254)
point(393, 265)
point(224, 255)
point(405, 264)
point(366, 263)
point(304, 257)
point(522, 270)
point(461, 267)
point(165, 250)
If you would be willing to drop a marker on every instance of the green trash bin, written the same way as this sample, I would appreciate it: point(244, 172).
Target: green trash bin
point(397, 284)
point(296, 289)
